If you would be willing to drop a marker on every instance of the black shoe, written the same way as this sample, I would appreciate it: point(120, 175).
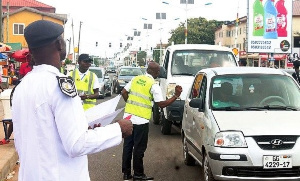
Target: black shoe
point(127, 176)
point(142, 177)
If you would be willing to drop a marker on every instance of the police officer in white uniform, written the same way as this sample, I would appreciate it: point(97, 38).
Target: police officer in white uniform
point(50, 129)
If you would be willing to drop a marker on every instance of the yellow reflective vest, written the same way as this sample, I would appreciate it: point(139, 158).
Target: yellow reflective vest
point(139, 97)
point(84, 86)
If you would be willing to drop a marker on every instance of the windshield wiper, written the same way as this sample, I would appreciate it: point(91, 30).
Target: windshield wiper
point(272, 107)
point(183, 74)
point(228, 108)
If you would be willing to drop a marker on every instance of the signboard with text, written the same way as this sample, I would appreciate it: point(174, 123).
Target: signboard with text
point(270, 26)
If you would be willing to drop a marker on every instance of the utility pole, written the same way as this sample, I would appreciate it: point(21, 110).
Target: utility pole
point(73, 42)
point(7, 23)
point(1, 27)
point(79, 37)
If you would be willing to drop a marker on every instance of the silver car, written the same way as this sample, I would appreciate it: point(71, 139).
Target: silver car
point(242, 123)
point(104, 81)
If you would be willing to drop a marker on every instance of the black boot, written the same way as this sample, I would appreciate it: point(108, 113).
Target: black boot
point(127, 176)
point(142, 177)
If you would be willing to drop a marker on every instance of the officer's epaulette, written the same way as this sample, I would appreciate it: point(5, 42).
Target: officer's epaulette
point(67, 86)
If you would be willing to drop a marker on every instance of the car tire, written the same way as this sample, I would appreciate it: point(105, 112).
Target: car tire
point(116, 90)
point(110, 92)
point(188, 159)
point(156, 114)
point(166, 126)
point(206, 170)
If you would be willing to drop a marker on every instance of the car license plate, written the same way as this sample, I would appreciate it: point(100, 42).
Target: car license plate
point(277, 161)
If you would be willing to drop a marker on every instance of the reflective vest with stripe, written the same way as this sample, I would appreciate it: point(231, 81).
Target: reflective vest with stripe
point(85, 86)
point(139, 98)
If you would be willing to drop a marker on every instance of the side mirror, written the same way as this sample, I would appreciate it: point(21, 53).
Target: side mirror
point(162, 73)
point(196, 103)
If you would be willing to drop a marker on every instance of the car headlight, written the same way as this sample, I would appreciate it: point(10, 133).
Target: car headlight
point(230, 139)
point(121, 81)
point(170, 90)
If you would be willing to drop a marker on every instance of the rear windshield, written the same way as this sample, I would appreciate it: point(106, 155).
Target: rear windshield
point(130, 72)
point(98, 72)
point(189, 62)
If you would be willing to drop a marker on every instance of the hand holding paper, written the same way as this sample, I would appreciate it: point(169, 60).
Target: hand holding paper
point(103, 113)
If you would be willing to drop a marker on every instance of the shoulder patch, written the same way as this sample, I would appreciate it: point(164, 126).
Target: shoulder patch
point(67, 86)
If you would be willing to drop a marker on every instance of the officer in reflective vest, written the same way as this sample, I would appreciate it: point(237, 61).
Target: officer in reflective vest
point(86, 82)
point(139, 94)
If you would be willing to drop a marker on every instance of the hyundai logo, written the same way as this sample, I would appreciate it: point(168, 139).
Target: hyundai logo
point(276, 142)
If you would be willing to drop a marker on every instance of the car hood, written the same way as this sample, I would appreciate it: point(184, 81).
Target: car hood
point(259, 122)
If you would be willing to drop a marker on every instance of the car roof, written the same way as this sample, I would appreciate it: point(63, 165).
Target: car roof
point(99, 68)
point(198, 46)
point(242, 70)
point(130, 67)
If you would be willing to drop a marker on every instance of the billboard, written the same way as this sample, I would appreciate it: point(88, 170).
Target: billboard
point(270, 26)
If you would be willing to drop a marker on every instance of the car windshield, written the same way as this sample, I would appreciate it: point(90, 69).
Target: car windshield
point(254, 92)
point(98, 72)
point(189, 62)
point(130, 72)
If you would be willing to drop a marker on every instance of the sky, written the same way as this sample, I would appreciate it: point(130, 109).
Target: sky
point(111, 21)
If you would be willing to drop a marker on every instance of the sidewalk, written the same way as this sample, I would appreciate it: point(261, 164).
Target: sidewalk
point(9, 156)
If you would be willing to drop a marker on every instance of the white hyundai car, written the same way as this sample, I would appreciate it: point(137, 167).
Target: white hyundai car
point(242, 123)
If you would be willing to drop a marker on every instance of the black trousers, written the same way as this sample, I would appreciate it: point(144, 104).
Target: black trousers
point(135, 145)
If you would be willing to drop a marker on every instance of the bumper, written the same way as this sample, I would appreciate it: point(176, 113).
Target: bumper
point(247, 163)
point(175, 111)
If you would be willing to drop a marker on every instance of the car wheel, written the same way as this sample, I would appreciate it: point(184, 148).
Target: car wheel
point(188, 159)
point(207, 174)
point(109, 92)
point(116, 89)
point(155, 114)
point(166, 126)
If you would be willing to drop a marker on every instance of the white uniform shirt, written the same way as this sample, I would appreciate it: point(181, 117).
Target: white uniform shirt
point(157, 97)
point(50, 130)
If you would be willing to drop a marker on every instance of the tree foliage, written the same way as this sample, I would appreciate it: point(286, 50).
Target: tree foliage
point(141, 57)
point(200, 31)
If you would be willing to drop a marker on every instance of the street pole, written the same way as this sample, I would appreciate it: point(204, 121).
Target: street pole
point(186, 22)
point(79, 37)
point(73, 43)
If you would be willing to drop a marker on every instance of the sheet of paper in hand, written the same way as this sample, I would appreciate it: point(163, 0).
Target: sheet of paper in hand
point(103, 113)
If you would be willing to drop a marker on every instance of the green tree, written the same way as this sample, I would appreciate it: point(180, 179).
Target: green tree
point(200, 31)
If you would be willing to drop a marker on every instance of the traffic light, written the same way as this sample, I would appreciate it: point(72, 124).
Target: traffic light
point(120, 44)
point(96, 43)
point(109, 45)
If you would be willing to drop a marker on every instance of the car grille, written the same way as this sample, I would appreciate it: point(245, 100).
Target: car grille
point(265, 142)
point(260, 172)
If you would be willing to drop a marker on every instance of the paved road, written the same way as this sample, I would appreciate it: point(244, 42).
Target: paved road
point(163, 158)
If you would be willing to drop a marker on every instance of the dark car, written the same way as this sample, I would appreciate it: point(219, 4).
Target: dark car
point(110, 70)
point(104, 81)
point(124, 75)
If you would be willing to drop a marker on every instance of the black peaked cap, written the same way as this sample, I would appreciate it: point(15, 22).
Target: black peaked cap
point(41, 33)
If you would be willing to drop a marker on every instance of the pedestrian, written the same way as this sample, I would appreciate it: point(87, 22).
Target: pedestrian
point(26, 67)
point(86, 82)
point(138, 94)
point(242, 63)
point(50, 128)
point(296, 73)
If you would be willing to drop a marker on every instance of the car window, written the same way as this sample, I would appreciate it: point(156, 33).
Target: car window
point(189, 62)
point(130, 72)
point(254, 91)
point(98, 72)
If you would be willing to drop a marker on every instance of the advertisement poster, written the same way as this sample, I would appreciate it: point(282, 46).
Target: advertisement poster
point(270, 26)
